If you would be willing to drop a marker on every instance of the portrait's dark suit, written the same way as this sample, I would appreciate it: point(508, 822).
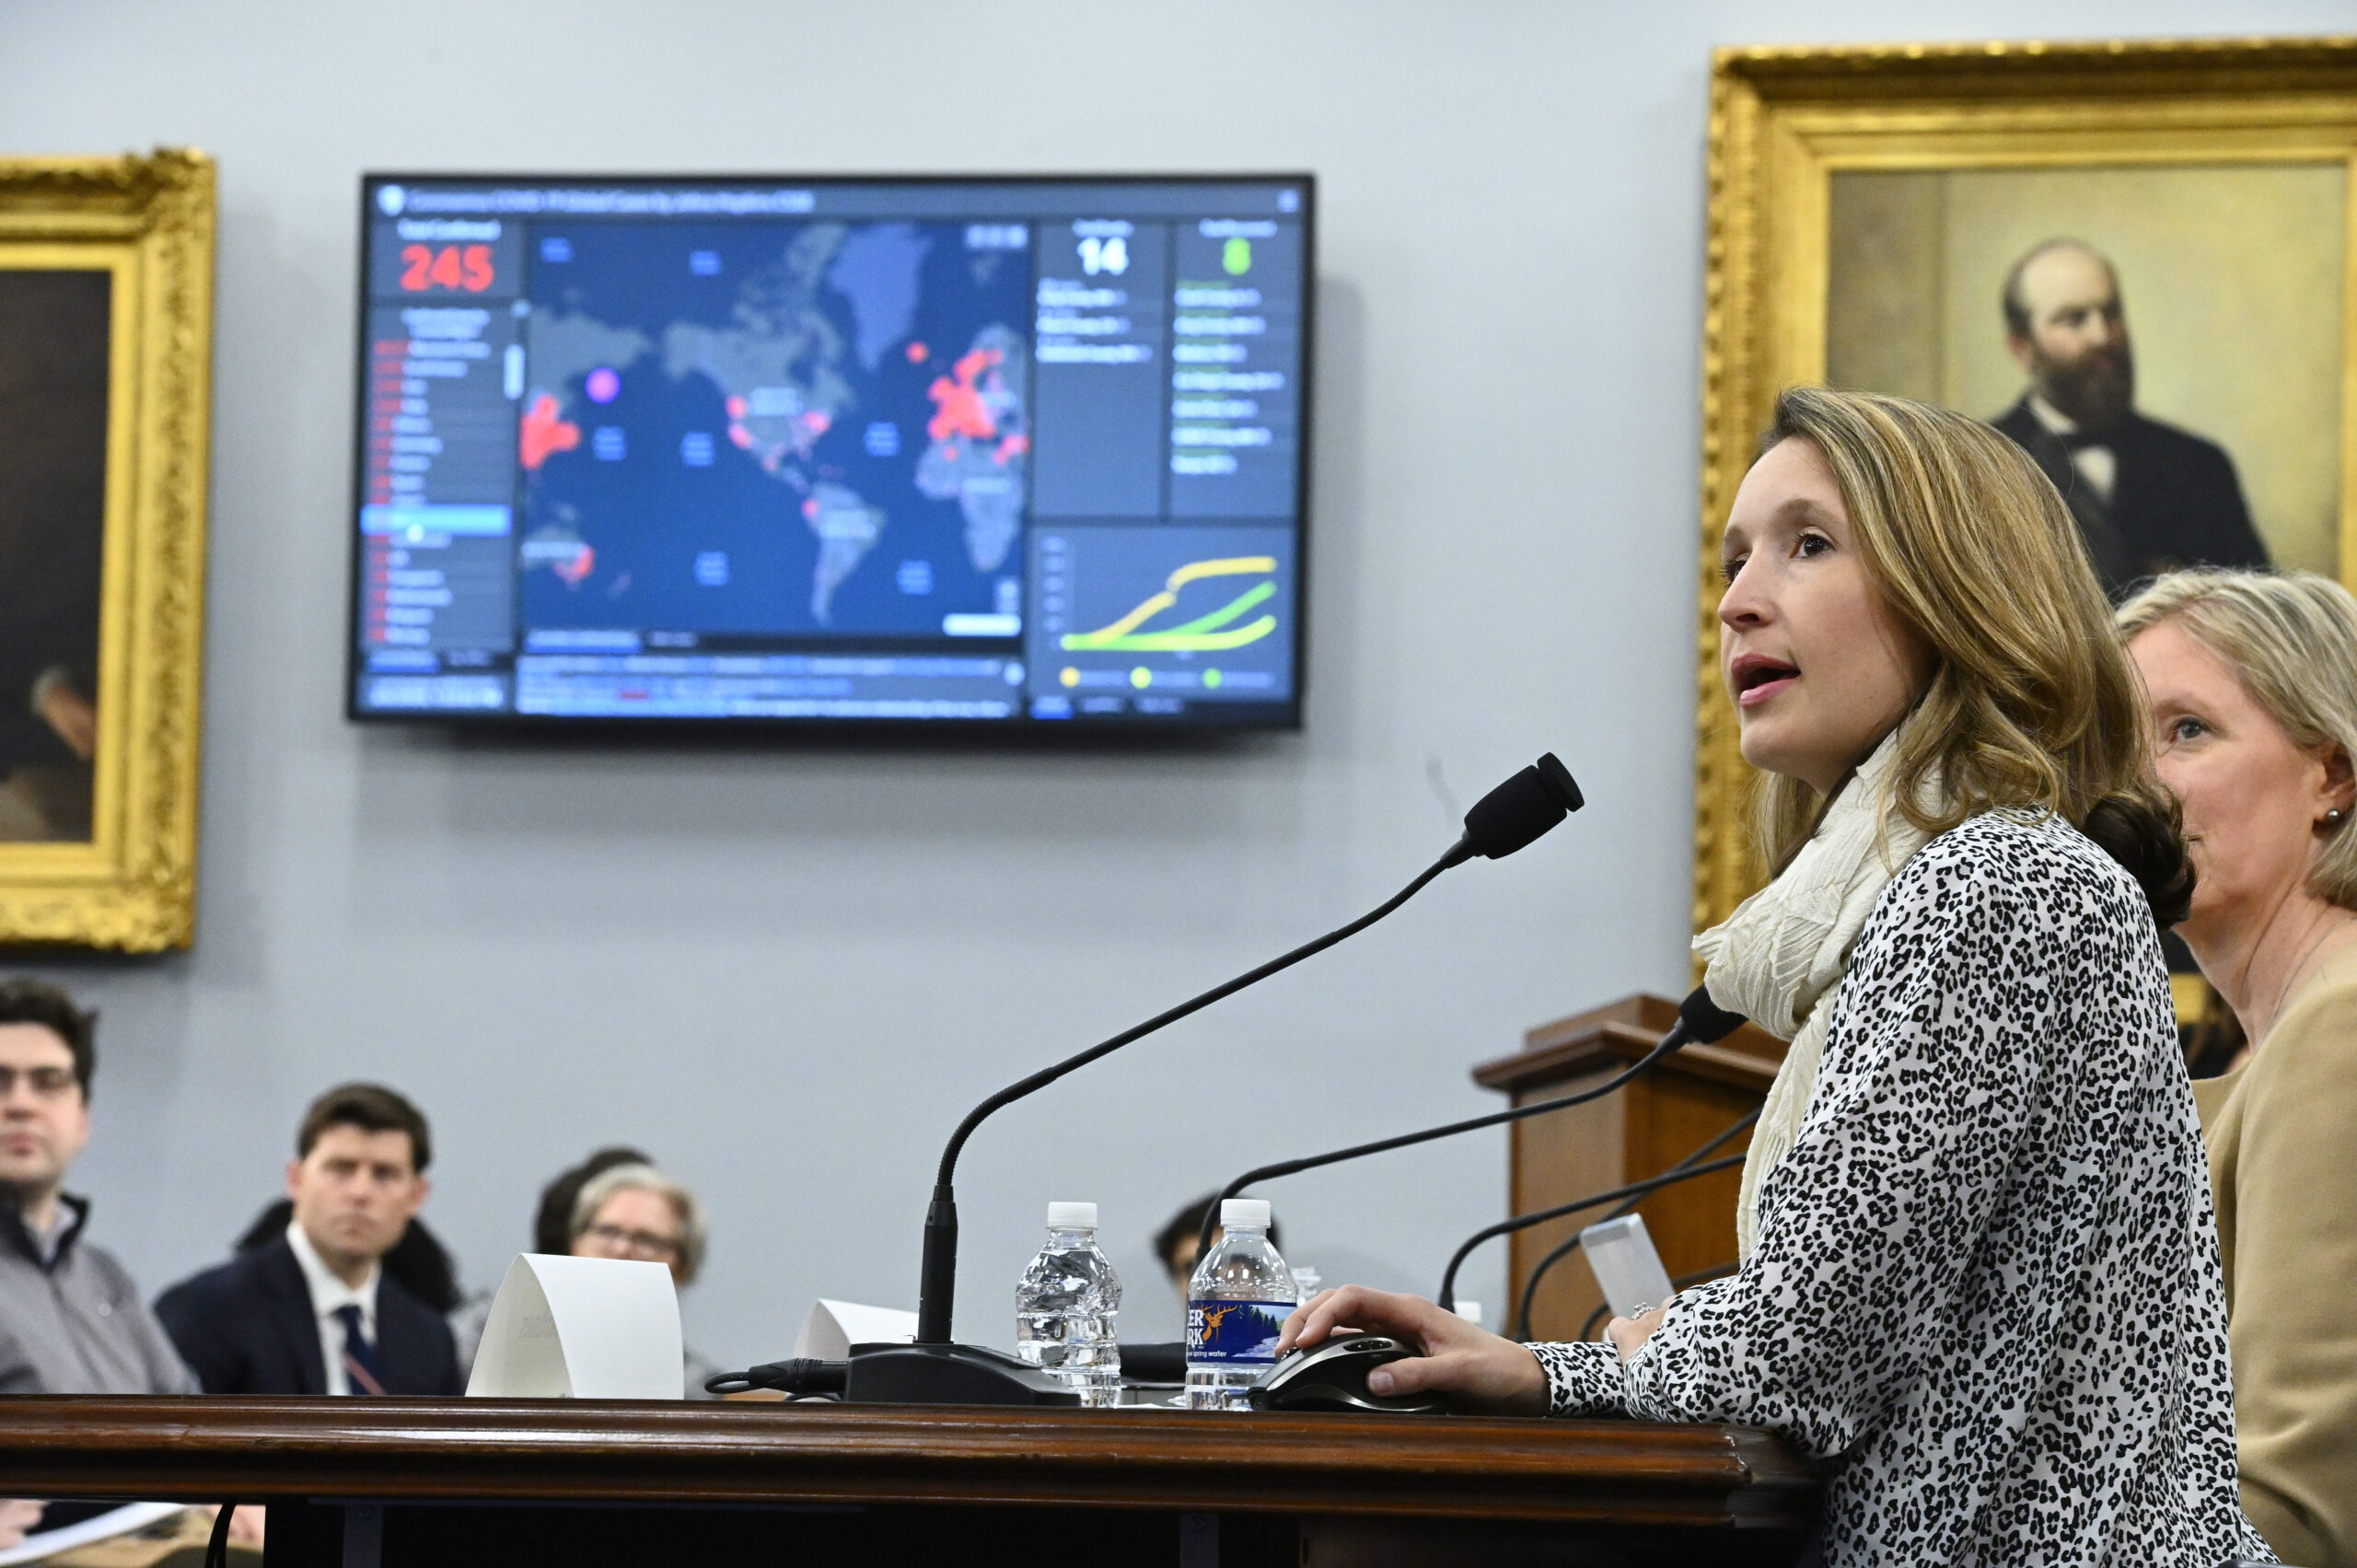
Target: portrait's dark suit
point(2176, 502)
point(247, 1328)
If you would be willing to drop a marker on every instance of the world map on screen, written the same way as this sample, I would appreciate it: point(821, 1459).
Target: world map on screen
point(774, 428)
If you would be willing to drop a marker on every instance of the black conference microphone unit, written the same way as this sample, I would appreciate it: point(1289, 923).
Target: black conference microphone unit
point(933, 1370)
point(1686, 1169)
point(1700, 1021)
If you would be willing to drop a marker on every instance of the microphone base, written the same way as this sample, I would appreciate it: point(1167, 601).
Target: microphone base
point(948, 1375)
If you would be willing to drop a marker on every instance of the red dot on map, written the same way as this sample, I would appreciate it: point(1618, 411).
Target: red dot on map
point(603, 385)
point(917, 353)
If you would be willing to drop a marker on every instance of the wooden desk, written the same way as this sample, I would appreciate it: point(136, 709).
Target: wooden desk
point(1639, 1131)
point(369, 1482)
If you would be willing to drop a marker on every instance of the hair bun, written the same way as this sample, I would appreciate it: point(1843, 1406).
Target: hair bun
point(2144, 832)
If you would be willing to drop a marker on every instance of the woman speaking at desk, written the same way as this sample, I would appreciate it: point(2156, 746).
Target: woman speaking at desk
point(1981, 1276)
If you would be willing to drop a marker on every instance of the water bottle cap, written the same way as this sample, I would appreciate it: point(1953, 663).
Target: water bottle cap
point(1071, 1216)
point(1250, 1211)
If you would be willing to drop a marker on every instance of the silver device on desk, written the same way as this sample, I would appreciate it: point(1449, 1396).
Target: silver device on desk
point(1627, 1268)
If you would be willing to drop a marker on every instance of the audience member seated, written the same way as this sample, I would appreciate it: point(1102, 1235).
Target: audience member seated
point(1179, 1242)
point(551, 1238)
point(638, 1212)
point(71, 1320)
point(314, 1311)
point(2253, 685)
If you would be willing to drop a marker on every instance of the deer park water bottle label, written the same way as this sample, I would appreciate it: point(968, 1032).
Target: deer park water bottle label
point(1236, 1332)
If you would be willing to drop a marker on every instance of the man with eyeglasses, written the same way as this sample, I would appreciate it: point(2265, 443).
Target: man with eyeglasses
point(71, 1320)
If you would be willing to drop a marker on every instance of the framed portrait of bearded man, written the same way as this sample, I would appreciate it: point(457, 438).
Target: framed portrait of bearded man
point(106, 313)
point(2133, 259)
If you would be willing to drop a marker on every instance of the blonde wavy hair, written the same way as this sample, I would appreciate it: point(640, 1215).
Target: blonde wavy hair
point(2291, 641)
point(2032, 704)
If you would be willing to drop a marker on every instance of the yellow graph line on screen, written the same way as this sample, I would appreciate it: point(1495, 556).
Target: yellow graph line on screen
point(1202, 634)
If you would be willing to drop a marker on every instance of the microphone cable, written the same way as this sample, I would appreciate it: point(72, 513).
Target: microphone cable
point(800, 1377)
point(216, 1546)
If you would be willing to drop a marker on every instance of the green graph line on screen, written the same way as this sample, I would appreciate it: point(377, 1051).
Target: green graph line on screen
point(1206, 633)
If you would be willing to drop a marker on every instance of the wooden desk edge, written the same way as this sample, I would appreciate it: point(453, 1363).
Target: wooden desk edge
point(209, 1449)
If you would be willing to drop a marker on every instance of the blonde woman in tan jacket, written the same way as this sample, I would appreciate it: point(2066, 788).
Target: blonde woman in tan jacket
point(2253, 684)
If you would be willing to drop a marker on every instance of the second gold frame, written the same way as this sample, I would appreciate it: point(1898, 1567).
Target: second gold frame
point(1842, 159)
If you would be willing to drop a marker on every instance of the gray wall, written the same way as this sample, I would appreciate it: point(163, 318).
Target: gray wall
point(788, 970)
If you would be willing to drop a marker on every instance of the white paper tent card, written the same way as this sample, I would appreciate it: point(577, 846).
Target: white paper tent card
point(833, 1327)
point(581, 1329)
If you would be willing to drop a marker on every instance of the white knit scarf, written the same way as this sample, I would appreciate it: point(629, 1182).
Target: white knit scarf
point(1779, 958)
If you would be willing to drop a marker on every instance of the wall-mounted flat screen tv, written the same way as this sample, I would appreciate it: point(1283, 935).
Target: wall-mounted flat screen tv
point(880, 452)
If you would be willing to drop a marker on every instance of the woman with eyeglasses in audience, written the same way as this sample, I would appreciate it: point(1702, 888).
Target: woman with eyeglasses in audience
point(637, 1212)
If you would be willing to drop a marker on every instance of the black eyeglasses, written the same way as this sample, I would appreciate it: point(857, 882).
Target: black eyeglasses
point(47, 1083)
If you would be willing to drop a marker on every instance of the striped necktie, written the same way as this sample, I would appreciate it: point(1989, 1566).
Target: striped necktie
point(360, 1363)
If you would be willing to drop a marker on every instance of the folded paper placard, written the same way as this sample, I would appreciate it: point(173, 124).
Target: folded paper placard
point(833, 1327)
point(581, 1329)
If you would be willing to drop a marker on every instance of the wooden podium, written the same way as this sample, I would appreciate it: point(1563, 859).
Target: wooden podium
point(389, 1483)
point(1639, 1131)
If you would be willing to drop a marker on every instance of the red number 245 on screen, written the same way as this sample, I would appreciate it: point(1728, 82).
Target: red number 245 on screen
point(464, 267)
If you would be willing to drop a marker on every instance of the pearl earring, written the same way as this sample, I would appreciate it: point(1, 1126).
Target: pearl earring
point(2332, 816)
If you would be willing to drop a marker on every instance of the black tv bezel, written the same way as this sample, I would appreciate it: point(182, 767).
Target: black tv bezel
point(1200, 722)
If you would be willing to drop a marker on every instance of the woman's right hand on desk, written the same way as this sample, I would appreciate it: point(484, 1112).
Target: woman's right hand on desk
point(1479, 1372)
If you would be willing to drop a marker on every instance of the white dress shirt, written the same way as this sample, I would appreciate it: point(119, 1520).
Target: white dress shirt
point(329, 1295)
point(2099, 465)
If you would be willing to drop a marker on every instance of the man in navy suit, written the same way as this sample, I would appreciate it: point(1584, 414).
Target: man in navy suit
point(311, 1311)
point(2148, 496)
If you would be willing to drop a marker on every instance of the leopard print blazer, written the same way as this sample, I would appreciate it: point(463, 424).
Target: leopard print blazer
point(1986, 1291)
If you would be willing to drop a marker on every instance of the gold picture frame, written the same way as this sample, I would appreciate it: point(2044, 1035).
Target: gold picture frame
point(1789, 126)
point(124, 875)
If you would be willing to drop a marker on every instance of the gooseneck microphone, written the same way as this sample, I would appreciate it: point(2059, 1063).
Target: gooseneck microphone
point(1686, 1169)
point(1700, 1021)
point(933, 1370)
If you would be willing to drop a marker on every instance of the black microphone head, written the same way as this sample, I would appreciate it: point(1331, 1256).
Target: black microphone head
point(1522, 808)
point(1706, 1022)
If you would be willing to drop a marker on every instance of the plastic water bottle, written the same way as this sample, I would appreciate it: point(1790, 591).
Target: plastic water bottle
point(1065, 1306)
point(1237, 1305)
